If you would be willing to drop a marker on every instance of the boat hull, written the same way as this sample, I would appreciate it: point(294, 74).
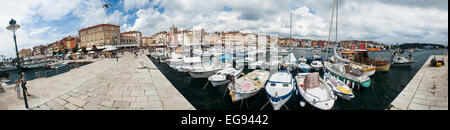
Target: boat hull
point(402, 64)
point(220, 83)
point(201, 75)
point(384, 68)
point(278, 104)
point(241, 96)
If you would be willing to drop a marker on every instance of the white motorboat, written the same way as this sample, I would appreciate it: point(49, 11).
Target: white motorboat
point(255, 65)
point(222, 76)
point(339, 87)
point(302, 60)
point(316, 65)
point(206, 70)
point(315, 91)
point(303, 67)
point(188, 64)
point(248, 85)
point(280, 88)
point(399, 60)
point(57, 65)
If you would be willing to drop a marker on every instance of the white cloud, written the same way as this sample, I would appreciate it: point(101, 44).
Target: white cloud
point(132, 4)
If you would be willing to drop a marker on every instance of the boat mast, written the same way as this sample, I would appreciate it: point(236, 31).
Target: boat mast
point(290, 32)
point(337, 12)
point(331, 25)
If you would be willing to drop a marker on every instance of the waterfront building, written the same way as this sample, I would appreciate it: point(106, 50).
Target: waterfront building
point(39, 50)
point(70, 42)
point(136, 34)
point(99, 35)
point(147, 41)
point(25, 52)
point(128, 42)
point(161, 38)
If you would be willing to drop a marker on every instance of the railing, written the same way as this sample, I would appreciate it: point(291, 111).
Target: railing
point(53, 72)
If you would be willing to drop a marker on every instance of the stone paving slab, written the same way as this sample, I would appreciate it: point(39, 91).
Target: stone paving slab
point(428, 90)
point(104, 85)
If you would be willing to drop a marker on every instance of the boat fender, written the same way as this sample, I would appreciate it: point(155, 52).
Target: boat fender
point(302, 103)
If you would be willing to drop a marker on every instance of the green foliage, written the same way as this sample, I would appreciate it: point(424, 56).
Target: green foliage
point(94, 48)
point(83, 49)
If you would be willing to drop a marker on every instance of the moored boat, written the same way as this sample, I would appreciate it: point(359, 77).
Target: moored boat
point(339, 87)
point(280, 88)
point(345, 73)
point(248, 85)
point(303, 67)
point(316, 65)
point(222, 77)
point(315, 91)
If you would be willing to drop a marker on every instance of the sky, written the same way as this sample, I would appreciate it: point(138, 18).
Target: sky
point(384, 21)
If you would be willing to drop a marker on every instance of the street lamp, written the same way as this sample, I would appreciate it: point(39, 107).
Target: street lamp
point(13, 27)
point(117, 49)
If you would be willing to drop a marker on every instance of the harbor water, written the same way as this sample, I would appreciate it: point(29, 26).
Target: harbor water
point(385, 86)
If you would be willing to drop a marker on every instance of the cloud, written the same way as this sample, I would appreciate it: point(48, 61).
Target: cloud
point(132, 4)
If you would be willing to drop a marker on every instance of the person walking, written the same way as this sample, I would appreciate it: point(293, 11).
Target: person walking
point(24, 83)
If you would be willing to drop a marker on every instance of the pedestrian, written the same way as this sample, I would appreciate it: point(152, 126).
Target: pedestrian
point(17, 89)
point(24, 83)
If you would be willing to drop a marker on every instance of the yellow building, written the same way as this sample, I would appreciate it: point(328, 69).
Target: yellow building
point(99, 35)
point(25, 52)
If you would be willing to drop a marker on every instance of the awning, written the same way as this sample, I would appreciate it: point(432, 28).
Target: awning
point(110, 49)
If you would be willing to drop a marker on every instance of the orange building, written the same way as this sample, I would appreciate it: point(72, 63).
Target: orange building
point(99, 35)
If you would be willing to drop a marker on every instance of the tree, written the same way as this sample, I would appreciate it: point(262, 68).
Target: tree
point(94, 48)
point(83, 49)
point(75, 49)
point(66, 50)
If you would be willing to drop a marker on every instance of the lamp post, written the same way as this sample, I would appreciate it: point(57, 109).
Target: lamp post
point(13, 27)
point(117, 49)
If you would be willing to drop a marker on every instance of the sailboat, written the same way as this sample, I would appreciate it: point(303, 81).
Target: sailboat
point(345, 72)
point(280, 88)
point(290, 62)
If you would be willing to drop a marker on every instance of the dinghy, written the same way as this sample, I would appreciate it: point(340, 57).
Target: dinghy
point(303, 67)
point(248, 85)
point(222, 77)
point(255, 65)
point(339, 87)
point(280, 88)
point(316, 65)
point(315, 91)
